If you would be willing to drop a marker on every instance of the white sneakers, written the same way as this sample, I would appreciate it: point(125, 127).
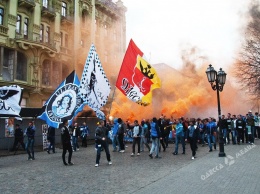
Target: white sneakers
point(132, 154)
point(138, 154)
point(122, 151)
point(192, 157)
point(96, 165)
point(110, 163)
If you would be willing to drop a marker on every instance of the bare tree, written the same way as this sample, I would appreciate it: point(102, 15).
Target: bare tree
point(248, 65)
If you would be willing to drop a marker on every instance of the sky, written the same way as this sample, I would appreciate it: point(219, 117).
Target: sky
point(164, 29)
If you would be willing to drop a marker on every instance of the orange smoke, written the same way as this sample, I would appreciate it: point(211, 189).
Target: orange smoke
point(186, 92)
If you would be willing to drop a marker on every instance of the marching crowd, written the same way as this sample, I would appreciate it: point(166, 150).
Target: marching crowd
point(236, 129)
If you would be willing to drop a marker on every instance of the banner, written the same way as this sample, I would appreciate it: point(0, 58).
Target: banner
point(10, 99)
point(137, 78)
point(64, 103)
point(94, 85)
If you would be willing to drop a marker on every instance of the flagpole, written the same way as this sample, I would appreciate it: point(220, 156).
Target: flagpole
point(112, 100)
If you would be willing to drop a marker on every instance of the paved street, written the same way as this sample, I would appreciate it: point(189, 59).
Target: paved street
point(208, 173)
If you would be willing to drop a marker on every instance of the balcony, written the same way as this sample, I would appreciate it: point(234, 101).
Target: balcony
point(3, 30)
point(29, 4)
point(26, 42)
point(108, 6)
point(48, 12)
point(67, 20)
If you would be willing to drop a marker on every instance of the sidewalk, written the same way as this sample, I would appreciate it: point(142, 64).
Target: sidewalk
point(139, 174)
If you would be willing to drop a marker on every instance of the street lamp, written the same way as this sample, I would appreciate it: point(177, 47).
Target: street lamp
point(217, 81)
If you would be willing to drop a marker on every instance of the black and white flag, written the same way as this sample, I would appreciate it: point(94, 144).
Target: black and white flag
point(94, 85)
point(10, 99)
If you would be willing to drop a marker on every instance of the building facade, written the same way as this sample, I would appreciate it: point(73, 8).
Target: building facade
point(43, 41)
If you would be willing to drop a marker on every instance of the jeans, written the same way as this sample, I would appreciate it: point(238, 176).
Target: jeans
point(155, 148)
point(234, 136)
point(144, 142)
point(115, 142)
point(224, 131)
point(211, 137)
point(202, 138)
point(105, 146)
point(52, 144)
point(179, 138)
point(29, 147)
point(75, 142)
point(136, 140)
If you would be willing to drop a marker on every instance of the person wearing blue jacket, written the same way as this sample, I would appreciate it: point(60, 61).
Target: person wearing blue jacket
point(211, 129)
point(193, 136)
point(156, 135)
point(114, 135)
point(179, 137)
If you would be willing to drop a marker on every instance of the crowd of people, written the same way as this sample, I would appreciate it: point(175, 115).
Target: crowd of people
point(159, 132)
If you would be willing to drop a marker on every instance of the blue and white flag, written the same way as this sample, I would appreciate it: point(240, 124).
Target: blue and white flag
point(10, 99)
point(94, 85)
point(64, 103)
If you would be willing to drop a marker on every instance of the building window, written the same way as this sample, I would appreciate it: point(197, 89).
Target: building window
point(46, 73)
point(21, 69)
point(45, 3)
point(55, 75)
point(1, 16)
point(18, 24)
point(41, 33)
point(26, 25)
point(66, 40)
point(64, 9)
point(47, 35)
point(8, 65)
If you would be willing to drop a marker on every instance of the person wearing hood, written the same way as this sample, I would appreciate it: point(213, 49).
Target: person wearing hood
point(115, 136)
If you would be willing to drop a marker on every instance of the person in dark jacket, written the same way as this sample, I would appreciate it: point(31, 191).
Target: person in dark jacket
point(75, 135)
point(240, 126)
point(18, 137)
point(66, 144)
point(30, 132)
point(121, 134)
point(51, 139)
point(101, 141)
point(193, 136)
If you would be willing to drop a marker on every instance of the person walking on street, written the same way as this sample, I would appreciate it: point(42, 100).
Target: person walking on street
point(144, 136)
point(84, 134)
point(179, 137)
point(193, 136)
point(156, 135)
point(66, 144)
point(211, 130)
point(30, 133)
point(101, 141)
point(136, 138)
point(121, 134)
point(18, 137)
point(51, 139)
point(75, 136)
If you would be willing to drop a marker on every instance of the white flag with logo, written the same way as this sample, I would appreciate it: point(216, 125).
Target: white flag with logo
point(10, 98)
point(94, 85)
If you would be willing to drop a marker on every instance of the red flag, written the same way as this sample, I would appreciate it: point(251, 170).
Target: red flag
point(137, 78)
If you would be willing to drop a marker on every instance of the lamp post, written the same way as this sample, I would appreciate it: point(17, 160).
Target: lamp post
point(217, 81)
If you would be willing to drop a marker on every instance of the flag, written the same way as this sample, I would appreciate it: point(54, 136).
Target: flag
point(137, 78)
point(63, 103)
point(94, 85)
point(10, 99)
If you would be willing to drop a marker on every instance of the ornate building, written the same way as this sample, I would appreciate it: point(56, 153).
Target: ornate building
point(43, 41)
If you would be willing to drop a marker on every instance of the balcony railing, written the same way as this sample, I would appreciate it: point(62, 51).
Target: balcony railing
point(36, 40)
point(3, 30)
point(48, 11)
point(67, 19)
point(26, 3)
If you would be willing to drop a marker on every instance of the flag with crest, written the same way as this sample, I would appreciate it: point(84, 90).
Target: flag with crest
point(137, 78)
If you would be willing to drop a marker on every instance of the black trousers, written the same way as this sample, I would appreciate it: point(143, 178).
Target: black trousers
point(193, 146)
point(136, 140)
point(103, 145)
point(67, 146)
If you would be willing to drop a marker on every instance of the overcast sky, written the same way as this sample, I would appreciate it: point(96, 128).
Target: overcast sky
point(164, 28)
